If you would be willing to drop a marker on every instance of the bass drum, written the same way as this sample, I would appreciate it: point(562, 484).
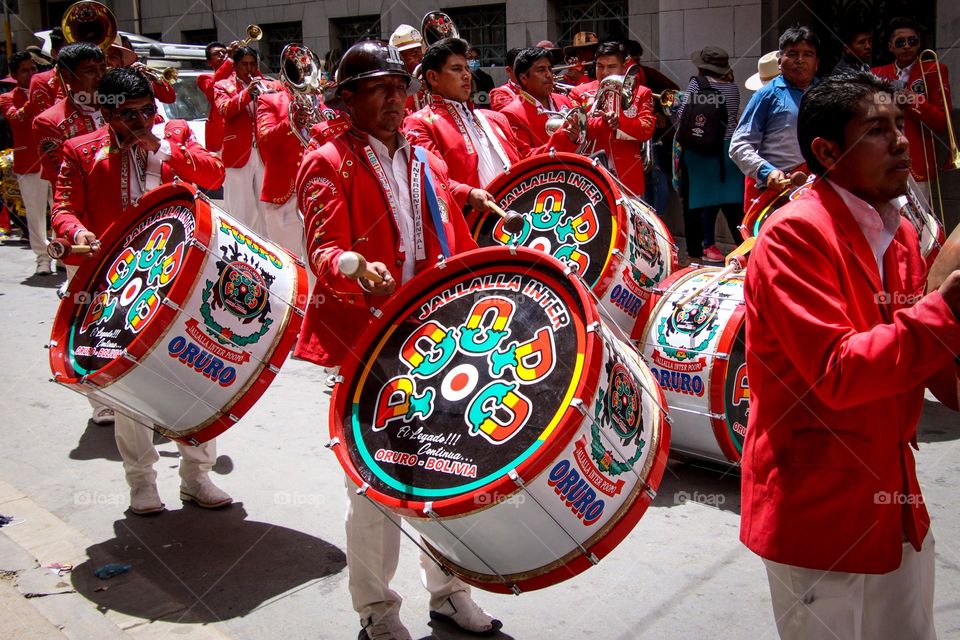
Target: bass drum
point(184, 321)
point(697, 355)
point(574, 211)
point(494, 409)
point(769, 201)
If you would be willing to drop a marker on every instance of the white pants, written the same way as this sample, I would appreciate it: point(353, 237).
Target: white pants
point(285, 226)
point(373, 551)
point(135, 442)
point(832, 605)
point(35, 192)
point(241, 194)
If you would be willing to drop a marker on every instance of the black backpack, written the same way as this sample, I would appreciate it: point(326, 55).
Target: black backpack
point(704, 122)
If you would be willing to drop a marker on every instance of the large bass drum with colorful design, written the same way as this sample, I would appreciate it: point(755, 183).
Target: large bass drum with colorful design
point(697, 354)
point(574, 211)
point(493, 407)
point(758, 212)
point(184, 321)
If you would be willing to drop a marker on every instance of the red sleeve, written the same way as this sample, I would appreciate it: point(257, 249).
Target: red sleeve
point(499, 98)
point(50, 148)
point(641, 125)
point(41, 96)
point(229, 105)
point(224, 71)
point(793, 281)
point(191, 162)
point(69, 198)
point(323, 202)
point(164, 92)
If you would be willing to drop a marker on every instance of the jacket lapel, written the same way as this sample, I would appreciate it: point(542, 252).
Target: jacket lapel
point(849, 233)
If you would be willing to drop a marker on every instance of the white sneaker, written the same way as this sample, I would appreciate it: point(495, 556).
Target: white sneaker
point(206, 495)
point(388, 627)
point(460, 610)
point(103, 416)
point(43, 267)
point(145, 500)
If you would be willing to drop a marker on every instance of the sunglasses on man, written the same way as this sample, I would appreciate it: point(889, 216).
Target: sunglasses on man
point(903, 43)
point(131, 115)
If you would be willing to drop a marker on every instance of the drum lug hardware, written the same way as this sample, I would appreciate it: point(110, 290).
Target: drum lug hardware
point(650, 491)
point(513, 248)
point(362, 489)
point(194, 442)
point(274, 369)
point(376, 312)
point(233, 417)
point(170, 303)
point(617, 252)
point(53, 343)
point(127, 356)
point(334, 442)
point(199, 245)
point(593, 327)
point(567, 271)
point(300, 312)
point(441, 262)
point(337, 379)
point(579, 405)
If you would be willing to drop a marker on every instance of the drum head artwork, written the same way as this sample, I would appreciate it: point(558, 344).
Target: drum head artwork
point(116, 303)
point(466, 378)
point(571, 212)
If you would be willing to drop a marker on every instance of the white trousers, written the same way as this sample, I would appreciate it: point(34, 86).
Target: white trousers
point(35, 192)
point(285, 226)
point(135, 442)
point(373, 551)
point(832, 605)
point(241, 194)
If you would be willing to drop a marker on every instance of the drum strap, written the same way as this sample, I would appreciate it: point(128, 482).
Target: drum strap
point(421, 155)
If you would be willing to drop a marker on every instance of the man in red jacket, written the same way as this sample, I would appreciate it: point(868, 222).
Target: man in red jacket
point(35, 191)
point(918, 94)
point(504, 94)
point(235, 98)
point(527, 113)
point(477, 145)
point(219, 61)
point(344, 188)
point(45, 87)
point(282, 152)
point(81, 66)
point(621, 135)
point(102, 176)
point(831, 500)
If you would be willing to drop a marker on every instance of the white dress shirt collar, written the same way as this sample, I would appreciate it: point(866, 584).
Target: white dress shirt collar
point(878, 226)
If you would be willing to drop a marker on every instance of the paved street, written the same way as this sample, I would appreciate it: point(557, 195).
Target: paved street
point(273, 565)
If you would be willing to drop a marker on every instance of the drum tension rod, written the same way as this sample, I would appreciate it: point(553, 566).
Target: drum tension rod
point(428, 509)
point(362, 491)
point(520, 483)
point(332, 443)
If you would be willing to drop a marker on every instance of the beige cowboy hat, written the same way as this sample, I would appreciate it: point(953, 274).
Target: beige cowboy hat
point(768, 68)
point(406, 37)
point(582, 40)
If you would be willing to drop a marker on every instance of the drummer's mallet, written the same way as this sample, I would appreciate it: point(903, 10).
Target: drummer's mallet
point(512, 220)
point(354, 266)
point(59, 249)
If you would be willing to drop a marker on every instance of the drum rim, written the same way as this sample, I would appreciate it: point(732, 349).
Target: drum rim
point(178, 294)
point(714, 383)
point(501, 487)
point(618, 236)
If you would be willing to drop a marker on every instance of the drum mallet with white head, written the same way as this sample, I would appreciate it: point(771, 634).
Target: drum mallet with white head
point(512, 221)
point(354, 266)
point(59, 249)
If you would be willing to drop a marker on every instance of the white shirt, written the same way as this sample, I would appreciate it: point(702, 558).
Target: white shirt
point(91, 112)
point(904, 74)
point(155, 160)
point(397, 171)
point(878, 226)
point(487, 159)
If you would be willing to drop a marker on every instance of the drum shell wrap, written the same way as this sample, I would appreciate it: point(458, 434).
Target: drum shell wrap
point(217, 337)
point(640, 252)
point(703, 376)
point(514, 529)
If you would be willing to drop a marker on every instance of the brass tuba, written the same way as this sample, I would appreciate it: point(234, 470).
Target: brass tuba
point(89, 21)
point(436, 26)
point(300, 73)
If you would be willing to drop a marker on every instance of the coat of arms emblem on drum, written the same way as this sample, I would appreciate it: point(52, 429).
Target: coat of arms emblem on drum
point(242, 290)
point(618, 409)
point(690, 328)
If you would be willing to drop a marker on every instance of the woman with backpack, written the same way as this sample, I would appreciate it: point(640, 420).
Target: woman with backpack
point(712, 182)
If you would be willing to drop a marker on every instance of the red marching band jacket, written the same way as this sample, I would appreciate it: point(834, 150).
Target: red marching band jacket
point(438, 129)
point(213, 131)
point(528, 120)
point(53, 127)
point(45, 90)
point(16, 108)
point(829, 478)
point(503, 95)
point(232, 100)
point(345, 208)
point(88, 194)
point(623, 145)
point(929, 111)
point(280, 148)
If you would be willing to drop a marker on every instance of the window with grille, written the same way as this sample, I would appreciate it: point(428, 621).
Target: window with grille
point(276, 36)
point(200, 36)
point(484, 27)
point(603, 17)
point(349, 31)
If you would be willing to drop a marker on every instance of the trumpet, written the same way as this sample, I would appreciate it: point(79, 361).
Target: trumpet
point(670, 99)
point(953, 162)
point(257, 88)
point(89, 21)
point(254, 33)
point(169, 75)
